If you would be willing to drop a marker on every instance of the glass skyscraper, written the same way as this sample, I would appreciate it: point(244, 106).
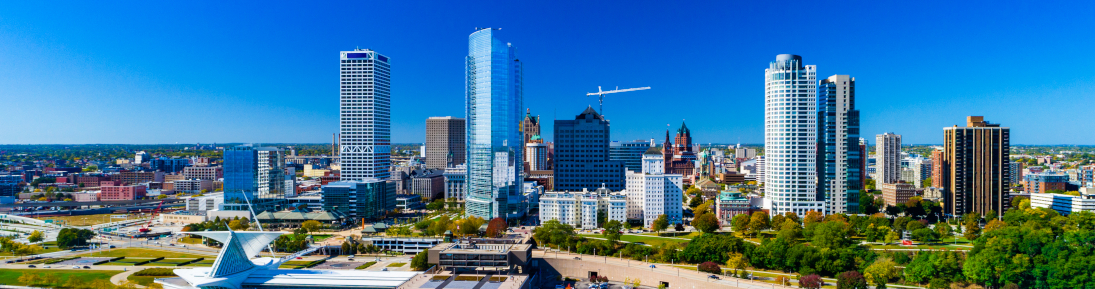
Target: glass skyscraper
point(365, 115)
point(790, 141)
point(258, 174)
point(495, 142)
point(839, 159)
point(631, 153)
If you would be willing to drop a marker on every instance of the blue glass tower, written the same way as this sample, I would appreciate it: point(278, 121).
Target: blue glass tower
point(839, 158)
point(258, 174)
point(495, 142)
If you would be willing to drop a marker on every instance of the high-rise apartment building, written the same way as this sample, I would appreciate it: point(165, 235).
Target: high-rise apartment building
point(255, 175)
point(1016, 175)
point(445, 142)
point(651, 192)
point(365, 115)
point(863, 164)
point(790, 140)
point(536, 156)
point(976, 177)
point(838, 163)
point(494, 95)
point(887, 148)
point(631, 153)
point(937, 168)
point(581, 154)
point(745, 153)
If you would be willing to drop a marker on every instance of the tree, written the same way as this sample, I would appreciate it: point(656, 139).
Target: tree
point(553, 232)
point(739, 223)
point(994, 224)
point(68, 238)
point(710, 267)
point(419, 262)
point(832, 235)
point(926, 183)
point(706, 223)
point(880, 272)
point(923, 235)
point(736, 261)
point(812, 281)
point(703, 208)
point(240, 224)
point(36, 236)
point(972, 230)
point(399, 231)
point(758, 221)
point(694, 191)
point(914, 225)
point(661, 223)
point(851, 280)
point(436, 205)
point(695, 202)
point(891, 237)
point(439, 226)
point(943, 230)
point(311, 226)
point(496, 227)
point(612, 230)
point(469, 226)
point(790, 231)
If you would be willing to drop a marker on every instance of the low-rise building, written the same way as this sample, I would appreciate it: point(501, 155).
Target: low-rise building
point(193, 186)
point(471, 256)
point(1045, 182)
point(898, 193)
point(203, 173)
point(204, 203)
point(730, 204)
point(456, 182)
point(85, 197)
point(428, 183)
point(409, 202)
point(121, 193)
point(182, 217)
point(582, 209)
point(1064, 204)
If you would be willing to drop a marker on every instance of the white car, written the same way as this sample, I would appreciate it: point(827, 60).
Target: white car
point(75, 267)
point(46, 266)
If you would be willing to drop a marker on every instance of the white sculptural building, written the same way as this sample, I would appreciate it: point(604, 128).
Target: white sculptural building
point(235, 269)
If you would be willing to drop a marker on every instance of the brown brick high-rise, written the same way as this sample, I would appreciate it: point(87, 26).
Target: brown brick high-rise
point(976, 168)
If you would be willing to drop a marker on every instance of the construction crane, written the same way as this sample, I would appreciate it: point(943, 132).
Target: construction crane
point(152, 215)
point(601, 95)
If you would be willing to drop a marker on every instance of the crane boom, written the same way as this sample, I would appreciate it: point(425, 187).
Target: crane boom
point(601, 95)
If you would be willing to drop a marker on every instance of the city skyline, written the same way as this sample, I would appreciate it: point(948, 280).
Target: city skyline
point(233, 91)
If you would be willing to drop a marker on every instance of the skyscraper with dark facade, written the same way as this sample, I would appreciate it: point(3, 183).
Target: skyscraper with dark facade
point(582, 154)
point(975, 169)
point(445, 145)
point(495, 142)
point(631, 153)
point(169, 165)
point(838, 163)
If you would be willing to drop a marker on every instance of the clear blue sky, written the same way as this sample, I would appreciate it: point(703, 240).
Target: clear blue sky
point(154, 72)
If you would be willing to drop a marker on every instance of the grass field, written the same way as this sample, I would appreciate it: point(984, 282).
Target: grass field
point(397, 264)
point(86, 220)
point(144, 253)
point(190, 240)
point(649, 240)
point(293, 264)
point(320, 238)
point(208, 262)
point(366, 265)
point(686, 235)
point(82, 277)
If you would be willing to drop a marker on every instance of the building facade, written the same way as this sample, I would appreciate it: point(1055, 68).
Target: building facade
point(838, 163)
point(365, 115)
point(1045, 182)
point(583, 209)
point(110, 192)
point(495, 142)
point(897, 193)
point(679, 158)
point(976, 168)
point(888, 153)
point(536, 156)
point(456, 182)
point(367, 199)
point(255, 175)
point(651, 192)
point(631, 153)
point(530, 127)
point(203, 173)
point(581, 154)
point(445, 145)
point(428, 184)
point(790, 143)
point(169, 165)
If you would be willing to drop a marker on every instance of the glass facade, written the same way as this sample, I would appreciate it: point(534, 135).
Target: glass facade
point(494, 138)
point(839, 161)
point(582, 155)
point(790, 140)
point(258, 174)
point(368, 199)
point(631, 153)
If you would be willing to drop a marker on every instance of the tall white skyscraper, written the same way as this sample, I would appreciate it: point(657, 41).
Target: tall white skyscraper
point(790, 136)
point(888, 158)
point(365, 115)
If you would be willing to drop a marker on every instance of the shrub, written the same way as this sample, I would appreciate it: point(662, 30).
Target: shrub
point(851, 280)
point(710, 267)
point(155, 272)
point(812, 281)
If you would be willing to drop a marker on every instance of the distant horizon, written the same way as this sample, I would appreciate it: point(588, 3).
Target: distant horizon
point(419, 143)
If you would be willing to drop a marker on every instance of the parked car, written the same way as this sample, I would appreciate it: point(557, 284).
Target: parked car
point(32, 266)
point(46, 266)
point(87, 267)
point(75, 267)
point(713, 276)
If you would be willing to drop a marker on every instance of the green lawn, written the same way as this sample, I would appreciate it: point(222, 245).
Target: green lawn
point(686, 235)
point(190, 240)
point(649, 240)
point(320, 238)
point(397, 264)
point(208, 262)
point(293, 264)
point(86, 220)
point(83, 277)
point(144, 253)
point(366, 265)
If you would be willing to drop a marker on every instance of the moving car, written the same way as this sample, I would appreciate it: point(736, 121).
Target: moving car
point(32, 266)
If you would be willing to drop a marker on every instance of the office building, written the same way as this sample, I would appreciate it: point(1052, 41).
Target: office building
point(745, 153)
point(110, 191)
point(203, 173)
point(631, 153)
point(133, 178)
point(1016, 171)
point(730, 204)
point(193, 186)
point(359, 199)
point(760, 170)
point(581, 154)
point(530, 127)
point(444, 142)
point(456, 182)
point(141, 157)
point(427, 183)
point(790, 144)
point(1045, 182)
point(536, 156)
point(582, 209)
point(255, 175)
point(888, 156)
point(1064, 204)
point(494, 95)
point(838, 162)
point(975, 168)
point(10, 185)
point(651, 192)
point(365, 115)
point(169, 165)
point(915, 170)
point(1087, 177)
point(863, 157)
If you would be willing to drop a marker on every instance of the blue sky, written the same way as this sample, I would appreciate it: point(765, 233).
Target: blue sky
point(203, 71)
